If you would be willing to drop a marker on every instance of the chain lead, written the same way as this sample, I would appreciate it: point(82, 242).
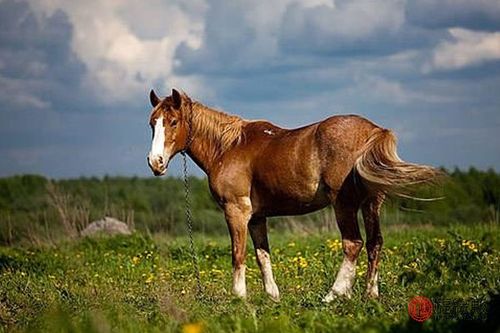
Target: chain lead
point(189, 221)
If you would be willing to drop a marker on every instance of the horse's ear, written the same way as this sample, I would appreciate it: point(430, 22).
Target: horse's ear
point(153, 98)
point(177, 98)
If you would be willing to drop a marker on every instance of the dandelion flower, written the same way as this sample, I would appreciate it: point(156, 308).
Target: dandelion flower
point(192, 328)
point(150, 278)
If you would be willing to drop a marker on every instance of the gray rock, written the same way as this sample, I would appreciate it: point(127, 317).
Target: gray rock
point(106, 226)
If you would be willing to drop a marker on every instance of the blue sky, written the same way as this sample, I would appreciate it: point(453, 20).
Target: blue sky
point(74, 75)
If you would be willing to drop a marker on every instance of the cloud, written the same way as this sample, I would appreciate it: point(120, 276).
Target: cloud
point(74, 75)
point(38, 68)
point(394, 92)
point(344, 27)
point(238, 36)
point(467, 48)
point(242, 38)
point(40, 87)
point(469, 14)
point(123, 56)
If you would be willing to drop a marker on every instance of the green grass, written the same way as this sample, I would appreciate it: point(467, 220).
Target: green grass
point(141, 283)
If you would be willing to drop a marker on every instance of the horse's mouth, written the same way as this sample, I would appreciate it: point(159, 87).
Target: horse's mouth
point(157, 166)
point(159, 173)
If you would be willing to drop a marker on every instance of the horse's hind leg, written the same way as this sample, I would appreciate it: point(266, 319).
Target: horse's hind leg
point(371, 211)
point(352, 243)
point(258, 232)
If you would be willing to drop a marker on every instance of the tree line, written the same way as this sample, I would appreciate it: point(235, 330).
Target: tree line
point(34, 207)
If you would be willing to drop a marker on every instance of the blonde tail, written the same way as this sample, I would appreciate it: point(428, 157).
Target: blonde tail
point(381, 168)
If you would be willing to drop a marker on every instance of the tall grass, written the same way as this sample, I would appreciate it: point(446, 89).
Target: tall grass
point(143, 284)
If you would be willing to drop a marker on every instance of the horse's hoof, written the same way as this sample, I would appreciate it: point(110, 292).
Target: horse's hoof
point(333, 295)
point(329, 297)
point(371, 295)
point(240, 294)
point(273, 293)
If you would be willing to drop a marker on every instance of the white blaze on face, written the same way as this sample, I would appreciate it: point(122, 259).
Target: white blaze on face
point(158, 144)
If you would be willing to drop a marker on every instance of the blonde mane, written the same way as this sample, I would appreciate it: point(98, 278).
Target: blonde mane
point(222, 129)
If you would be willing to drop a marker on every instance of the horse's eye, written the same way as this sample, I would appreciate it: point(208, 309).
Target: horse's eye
point(173, 122)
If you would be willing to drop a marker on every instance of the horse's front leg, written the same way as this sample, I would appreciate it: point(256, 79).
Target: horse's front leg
point(238, 213)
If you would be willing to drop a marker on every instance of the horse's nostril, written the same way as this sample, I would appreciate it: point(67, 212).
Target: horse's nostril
point(160, 159)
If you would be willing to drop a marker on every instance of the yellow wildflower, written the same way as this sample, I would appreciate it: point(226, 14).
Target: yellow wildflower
point(473, 247)
point(150, 278)
point(334, 244)
point(192, 328)
point(470, 245)
point(300, 261)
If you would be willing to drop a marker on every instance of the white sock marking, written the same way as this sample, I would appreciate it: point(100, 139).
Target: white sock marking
point(267, 274)
point(239, 284)
point(344, 282)
point(372, 287)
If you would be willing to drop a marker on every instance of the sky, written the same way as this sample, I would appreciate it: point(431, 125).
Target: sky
point(75, 75)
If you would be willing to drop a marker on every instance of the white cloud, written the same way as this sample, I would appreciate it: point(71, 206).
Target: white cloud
point(392, 92)
point(14, 93)
point(124, 52)
point(467, 48)
point(128, 46)
point(344, 25)
point(240, 35)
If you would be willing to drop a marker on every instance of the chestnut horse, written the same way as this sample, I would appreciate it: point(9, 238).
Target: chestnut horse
point(256, 170)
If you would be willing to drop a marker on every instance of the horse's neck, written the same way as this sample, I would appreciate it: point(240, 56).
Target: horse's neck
point(200, 152)
point(207, 142)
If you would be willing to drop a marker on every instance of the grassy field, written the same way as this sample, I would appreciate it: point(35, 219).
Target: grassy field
point(145, 284)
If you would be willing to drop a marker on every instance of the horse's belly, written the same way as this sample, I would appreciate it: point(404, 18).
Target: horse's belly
point(294, 200)
point(285, 208)
point(287, 178)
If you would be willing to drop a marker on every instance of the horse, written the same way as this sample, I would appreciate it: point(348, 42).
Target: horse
point(258, 170)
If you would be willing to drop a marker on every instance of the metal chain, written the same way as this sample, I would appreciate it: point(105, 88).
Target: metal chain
point(189, 221)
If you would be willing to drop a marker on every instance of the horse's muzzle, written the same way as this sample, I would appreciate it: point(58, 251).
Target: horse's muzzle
point(157, 164)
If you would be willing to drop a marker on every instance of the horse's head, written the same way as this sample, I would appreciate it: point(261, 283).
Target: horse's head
point(170, 128)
